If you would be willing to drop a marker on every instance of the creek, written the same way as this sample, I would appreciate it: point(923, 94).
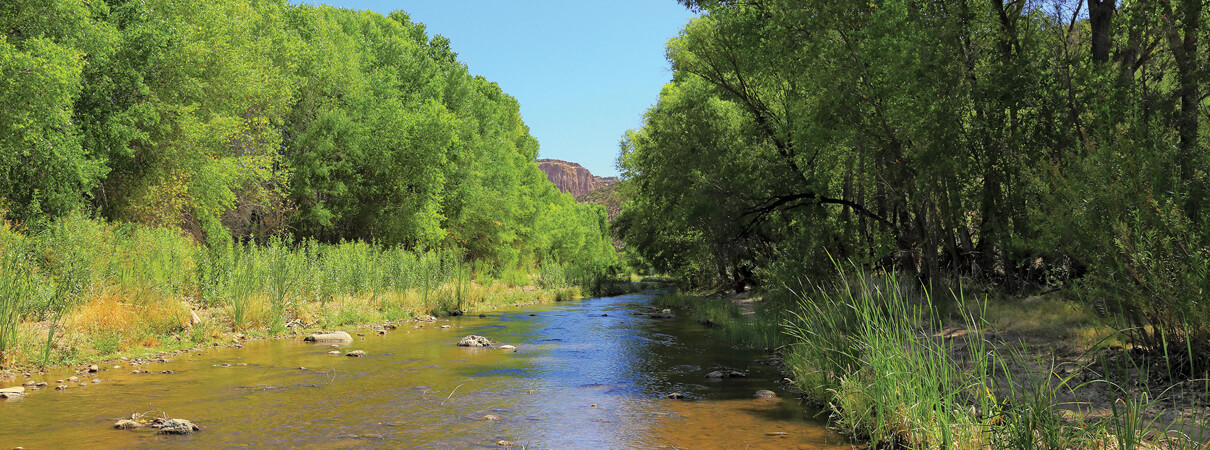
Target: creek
point(585, 374)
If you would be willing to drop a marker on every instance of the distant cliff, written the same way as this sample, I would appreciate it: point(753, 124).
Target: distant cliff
point(573, 178)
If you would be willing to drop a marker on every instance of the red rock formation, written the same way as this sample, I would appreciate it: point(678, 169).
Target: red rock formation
point(573, 178)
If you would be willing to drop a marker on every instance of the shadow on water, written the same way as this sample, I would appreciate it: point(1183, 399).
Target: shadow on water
point(584, 374)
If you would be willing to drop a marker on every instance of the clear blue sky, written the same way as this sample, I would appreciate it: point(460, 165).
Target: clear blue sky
point(584, 72)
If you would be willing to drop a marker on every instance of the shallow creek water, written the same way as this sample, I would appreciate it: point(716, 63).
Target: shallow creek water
point(586, 374)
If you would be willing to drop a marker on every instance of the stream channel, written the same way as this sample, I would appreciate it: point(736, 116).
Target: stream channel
point(585, 374)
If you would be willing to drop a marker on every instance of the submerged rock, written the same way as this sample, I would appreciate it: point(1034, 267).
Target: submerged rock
point(356, 353)
point(507, 347)
point(716, 374)
point(765, 393)
point(491, 417)
point(336, 336)
point(675, 396)
point(474, 341)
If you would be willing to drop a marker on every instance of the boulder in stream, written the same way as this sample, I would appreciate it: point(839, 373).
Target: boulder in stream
point(716, 374)
point(335, 336)
point(474, 341)
point(176, 426)
point(128, 424)
point(356, 353)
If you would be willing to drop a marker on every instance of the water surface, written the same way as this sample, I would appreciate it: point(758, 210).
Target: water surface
point(586, 374)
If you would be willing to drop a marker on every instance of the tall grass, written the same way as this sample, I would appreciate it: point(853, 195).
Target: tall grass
point(874, 348)
point(110, 286)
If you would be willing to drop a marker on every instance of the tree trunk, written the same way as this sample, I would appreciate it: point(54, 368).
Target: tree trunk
point(1100, 18)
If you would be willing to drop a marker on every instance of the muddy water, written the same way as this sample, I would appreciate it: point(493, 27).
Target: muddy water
point(585, 374)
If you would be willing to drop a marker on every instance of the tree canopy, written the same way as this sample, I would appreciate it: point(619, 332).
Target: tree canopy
point(249, 118)
point(1024, 143)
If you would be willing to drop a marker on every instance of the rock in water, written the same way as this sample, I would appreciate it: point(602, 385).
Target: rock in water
point(507, 347)
point(13, 392)
point(765, 393)
point(675, 396)
point(474, 341)
point(177, 426)
point(356, 353)
point(93, 369)
point(127, 424)
point(715, 374)
point(336, 336)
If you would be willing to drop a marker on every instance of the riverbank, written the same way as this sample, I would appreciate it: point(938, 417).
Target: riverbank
point(106, 331)
point(83, 290)
point(897, 366)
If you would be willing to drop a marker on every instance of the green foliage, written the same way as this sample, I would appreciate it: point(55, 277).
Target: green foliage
point(993, 140)
point(238, 120)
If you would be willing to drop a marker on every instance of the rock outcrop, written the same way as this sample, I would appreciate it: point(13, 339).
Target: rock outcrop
point(573, 178)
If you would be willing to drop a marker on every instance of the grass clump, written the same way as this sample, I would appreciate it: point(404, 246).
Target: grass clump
point(898, 370)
